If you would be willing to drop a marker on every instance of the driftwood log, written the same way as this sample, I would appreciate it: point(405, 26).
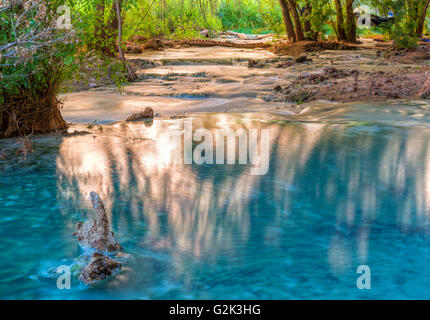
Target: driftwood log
point(148, 113)
point(243, 36)
point(99, 268)
point(96, 233)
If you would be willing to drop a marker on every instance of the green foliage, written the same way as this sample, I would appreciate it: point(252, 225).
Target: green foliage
point(31, 47)
point(94, 68)
point(403, 30)
point(84, 20)
point(96, 58)
point(427, 25)
point(320, 15)
point(185, 18)
point(171, 18)
point(29, 65)
point(402, 35)
point(251, 16)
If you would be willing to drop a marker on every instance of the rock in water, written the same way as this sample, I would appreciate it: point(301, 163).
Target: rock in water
point(148, 113)
point(96, 233)
point(100, 267)
point(302, 59)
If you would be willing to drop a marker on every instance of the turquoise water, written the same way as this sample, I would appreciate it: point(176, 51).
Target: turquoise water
point(342, 190)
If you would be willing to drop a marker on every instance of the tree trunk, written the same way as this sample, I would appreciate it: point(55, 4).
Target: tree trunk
point(297, 23)
point(422, 18)
point(111, 32)
point(118, 12)
point(27, 112)
point(287, 21)
point(351, 27)
point(99, 28)
point(341, 34)
point(22, 116)
point(309, 34)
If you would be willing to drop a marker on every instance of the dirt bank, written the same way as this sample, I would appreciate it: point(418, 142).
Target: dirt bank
point(138, 44)
point(352, 86)
point(408, 56)
point(298, 48)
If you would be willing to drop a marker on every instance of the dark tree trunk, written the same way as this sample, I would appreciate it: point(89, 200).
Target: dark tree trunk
point(27, 112)
point(119, 19)
point(309, 34)
point(287, 21)
point(111, 31)
point(351, 27)
point(341, 34)
point(99, 28)
point(422, 18)
point(20, 116)
point(297, 23)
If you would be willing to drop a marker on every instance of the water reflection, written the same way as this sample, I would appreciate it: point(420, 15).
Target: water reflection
point(204, 206)
point(329, 190)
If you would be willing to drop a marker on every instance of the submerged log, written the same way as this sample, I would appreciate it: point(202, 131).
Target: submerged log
point(99, 268)
point(148, 113)
point(96, 233)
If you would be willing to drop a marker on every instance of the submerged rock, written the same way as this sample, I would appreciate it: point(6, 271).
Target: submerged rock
point(99, 268)
point(96, 233)
point(148, 113)
point(285, 64)
point(255, 64)
point(302, 59)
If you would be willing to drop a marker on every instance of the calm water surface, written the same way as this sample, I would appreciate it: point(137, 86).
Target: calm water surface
point(347, 186)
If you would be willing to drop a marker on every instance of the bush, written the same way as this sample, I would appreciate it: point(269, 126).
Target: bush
point(34, 60)
point(171, 18)
point(251, 16)
point(403, 30)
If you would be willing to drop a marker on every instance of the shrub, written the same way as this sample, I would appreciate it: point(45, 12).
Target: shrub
point(34, 60)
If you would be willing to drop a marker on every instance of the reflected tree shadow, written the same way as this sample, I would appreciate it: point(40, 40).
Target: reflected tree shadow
point(331, 182)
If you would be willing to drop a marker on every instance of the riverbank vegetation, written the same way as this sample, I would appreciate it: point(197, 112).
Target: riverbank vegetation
point(35, 57)
point(49, 46)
